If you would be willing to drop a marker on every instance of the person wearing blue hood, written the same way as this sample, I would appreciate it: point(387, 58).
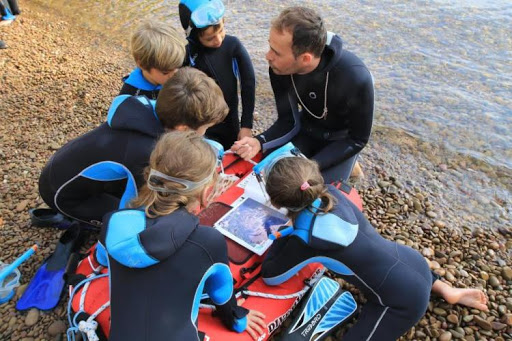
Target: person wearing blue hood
point(333, 88)
point(158, 50)
point(224, 58)
point(161, 261)
point(190, 100)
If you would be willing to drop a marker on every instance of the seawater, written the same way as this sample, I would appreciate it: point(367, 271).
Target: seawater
point(442, 68)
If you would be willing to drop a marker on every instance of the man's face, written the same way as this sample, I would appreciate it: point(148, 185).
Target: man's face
point(280, 55)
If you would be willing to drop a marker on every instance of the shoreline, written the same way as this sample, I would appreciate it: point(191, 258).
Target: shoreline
point(58, 80)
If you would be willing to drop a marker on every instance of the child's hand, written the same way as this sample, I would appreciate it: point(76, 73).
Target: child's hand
point(255, 322)
point(244, 132)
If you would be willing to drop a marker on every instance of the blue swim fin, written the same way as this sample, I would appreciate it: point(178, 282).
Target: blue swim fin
point(45, 288)
point(325, 308)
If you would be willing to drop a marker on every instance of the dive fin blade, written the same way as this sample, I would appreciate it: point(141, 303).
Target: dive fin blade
point(325, 308)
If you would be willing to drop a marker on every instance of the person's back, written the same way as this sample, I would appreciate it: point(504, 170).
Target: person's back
point(126, 138)
point(160, 261)
point(327, 228)
point(158, 50)
point(224, 58)
point(188, 101)
point(156, 302)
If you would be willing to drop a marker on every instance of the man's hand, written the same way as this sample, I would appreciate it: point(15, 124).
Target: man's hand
point(244, 132)
point(255, 322)
point(247, 147)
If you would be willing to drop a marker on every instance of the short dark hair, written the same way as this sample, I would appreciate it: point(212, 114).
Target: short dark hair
point(307, 28)
point(190, 98)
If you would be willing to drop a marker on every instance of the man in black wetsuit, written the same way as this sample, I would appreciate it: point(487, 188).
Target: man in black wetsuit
point(333, 88)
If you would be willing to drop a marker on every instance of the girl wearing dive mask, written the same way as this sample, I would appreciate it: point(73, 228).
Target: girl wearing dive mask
point(161, 261)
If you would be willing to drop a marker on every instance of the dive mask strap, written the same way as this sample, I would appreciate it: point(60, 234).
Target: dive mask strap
point(157, 186)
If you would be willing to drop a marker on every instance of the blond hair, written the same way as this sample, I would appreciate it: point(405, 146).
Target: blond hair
point(182, 155)
point(284, 183)
point(190, 98)
point(158, 45)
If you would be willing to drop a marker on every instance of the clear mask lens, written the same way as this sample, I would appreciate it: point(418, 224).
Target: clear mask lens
point(207, 14)
point(264, 167)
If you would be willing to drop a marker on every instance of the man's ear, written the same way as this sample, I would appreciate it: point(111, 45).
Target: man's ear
point(306, 58)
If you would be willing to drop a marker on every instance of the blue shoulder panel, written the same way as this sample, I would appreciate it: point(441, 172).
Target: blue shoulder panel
point(329, 263)
point(111, 171)
point(137, 80)
point(331, 228)
point(122, 239)
point(113, 107)
point(217, 282)
point(101, 255)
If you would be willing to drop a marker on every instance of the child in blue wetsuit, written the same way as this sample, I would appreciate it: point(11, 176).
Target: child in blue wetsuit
point(158, 50)
point(328, 228)
point(160, 259)
point(225, 59)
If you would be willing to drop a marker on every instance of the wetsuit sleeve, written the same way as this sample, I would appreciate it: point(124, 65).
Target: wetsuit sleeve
point(231, 315)
point(360, 106)
point(285, 257)
point(287, 124)
point(248, 85)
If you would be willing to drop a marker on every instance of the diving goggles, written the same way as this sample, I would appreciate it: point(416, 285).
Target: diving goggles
point(265, 166)
point(188, 186)
point(207, 14)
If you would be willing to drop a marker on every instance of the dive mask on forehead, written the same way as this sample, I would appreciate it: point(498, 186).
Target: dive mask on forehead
point(204, 13)
point(265, 166)
point(155, 183)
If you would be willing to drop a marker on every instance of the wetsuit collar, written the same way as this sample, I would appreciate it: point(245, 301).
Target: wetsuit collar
point(137, 80)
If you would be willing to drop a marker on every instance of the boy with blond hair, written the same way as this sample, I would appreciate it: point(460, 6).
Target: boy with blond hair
point(158, 50)
point(188, 101)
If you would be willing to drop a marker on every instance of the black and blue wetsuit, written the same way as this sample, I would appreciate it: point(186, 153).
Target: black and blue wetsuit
point(334, 141)
point(228, 65)
point(128, 137)
point(159, 269)
point(394, 278)
point(136, 84)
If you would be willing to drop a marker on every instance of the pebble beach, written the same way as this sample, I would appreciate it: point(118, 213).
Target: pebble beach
point(57, 80)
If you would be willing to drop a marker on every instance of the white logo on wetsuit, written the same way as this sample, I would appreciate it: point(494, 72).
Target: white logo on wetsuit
point(312, 95)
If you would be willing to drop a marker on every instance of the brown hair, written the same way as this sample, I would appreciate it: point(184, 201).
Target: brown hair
point(284, 182)
point(307, 28)
point(190, 98)
point(216, 28)
point(158, 45)
point(174, 155)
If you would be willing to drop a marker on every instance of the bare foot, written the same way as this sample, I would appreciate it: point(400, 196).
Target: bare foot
point(472, 298)
point(357, 171)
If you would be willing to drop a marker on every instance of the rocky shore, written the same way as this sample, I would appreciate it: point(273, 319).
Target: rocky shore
point(57, 81)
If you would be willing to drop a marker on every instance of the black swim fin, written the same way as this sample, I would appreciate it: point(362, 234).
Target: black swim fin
point(326, 307)
point(45, 288)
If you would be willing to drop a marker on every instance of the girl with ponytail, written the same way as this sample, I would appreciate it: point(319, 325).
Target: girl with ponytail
point(329, 229)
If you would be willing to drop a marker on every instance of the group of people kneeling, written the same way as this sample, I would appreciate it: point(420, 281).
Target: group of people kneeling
point(153, 295)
